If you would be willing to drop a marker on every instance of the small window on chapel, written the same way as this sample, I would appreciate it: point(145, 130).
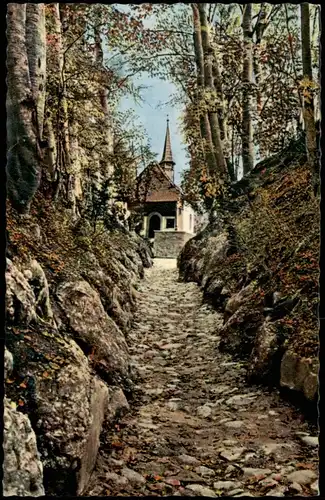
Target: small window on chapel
point(170, 223)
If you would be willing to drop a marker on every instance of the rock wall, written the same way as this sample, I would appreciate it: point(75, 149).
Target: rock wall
point(22, 467)
point(168, 244)
point(65, 340)
point(261, 270)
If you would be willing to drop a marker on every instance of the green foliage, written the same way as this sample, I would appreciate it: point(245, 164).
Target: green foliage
point(132, 152)
point(278, 89)
point(98, 205)
point(104, 47)
point(98, 148)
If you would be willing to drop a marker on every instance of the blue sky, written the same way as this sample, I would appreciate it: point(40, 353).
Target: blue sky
point(153, 117)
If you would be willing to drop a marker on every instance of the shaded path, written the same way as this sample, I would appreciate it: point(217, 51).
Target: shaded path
point(196, 428)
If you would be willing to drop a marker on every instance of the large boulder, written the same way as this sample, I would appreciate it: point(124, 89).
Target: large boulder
point(118, 405)
point(22, 467)
point(216, 250)
point(213, 291)
point(201, 257)
point(65, 402)
point(27, 294)
point(69, 408)
point(300, 374)
point(237, 336)
point(95, 331)
point(20, 298)
point(8, 363)
point(187, 261)
point(98, 409)
point(131, 261)
point(36, 278)
point(117, 304)
point(264, 360)
point(238, 299)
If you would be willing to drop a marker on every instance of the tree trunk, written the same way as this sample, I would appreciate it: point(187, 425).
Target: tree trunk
point(51, 160)
point(308, 109)
point(220, 106)
point(75, 189)
point(108, 134)
point(247, 134)
point(209, 85)
point(23, 167)
point(260, 28)
point(204, 122)
point(62, 124)
point(36, 52)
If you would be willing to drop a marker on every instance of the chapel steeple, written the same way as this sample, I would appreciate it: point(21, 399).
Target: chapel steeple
point(167, 162)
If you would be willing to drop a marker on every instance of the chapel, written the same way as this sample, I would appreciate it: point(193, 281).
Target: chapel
point(167, 221)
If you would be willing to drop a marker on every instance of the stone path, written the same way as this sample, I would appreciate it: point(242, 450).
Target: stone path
point(195, 427)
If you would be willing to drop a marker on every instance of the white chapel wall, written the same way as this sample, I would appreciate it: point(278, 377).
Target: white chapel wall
point(187, 219)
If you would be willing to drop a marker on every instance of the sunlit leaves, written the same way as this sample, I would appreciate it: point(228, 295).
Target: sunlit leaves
point(158, 39)
point(132, 152)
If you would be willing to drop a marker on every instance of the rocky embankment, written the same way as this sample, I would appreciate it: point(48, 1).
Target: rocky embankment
point(70, 300)
point(262, 272)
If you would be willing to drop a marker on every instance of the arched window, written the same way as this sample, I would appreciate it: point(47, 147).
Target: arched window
point(154, 220)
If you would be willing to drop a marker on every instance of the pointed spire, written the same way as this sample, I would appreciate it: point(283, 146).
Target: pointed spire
point(167, 156)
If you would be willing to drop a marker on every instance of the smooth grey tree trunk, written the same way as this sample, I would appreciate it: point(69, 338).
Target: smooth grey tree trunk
point(210, 124)
point(36, 52)
point(209, 78)
point(308, 109)
point(259, 30)
point(23, 159)
point(247, 125)
point(199, 58)
point(61, 126)
point(108, 132)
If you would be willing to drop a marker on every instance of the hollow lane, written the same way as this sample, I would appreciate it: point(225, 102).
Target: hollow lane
point(195, 427)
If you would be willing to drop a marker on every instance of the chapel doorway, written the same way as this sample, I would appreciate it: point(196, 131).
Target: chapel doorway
point(154, 225)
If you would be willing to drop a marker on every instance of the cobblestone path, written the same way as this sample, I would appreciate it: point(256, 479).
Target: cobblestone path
point(195, 427)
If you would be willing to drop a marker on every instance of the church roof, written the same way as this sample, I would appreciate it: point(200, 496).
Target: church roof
point(170, 181)
point(156, 169)
point(159, 196)
point(160, 188)
point(167, 156)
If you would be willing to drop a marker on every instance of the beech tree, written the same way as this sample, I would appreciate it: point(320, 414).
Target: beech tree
point(83, 93)
point(26, 78)
point(132, 153)
point(245, 76)
point(206, 133)
point(247, 134)
point(308, 87)
point(210, 79)
point(36, 51)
